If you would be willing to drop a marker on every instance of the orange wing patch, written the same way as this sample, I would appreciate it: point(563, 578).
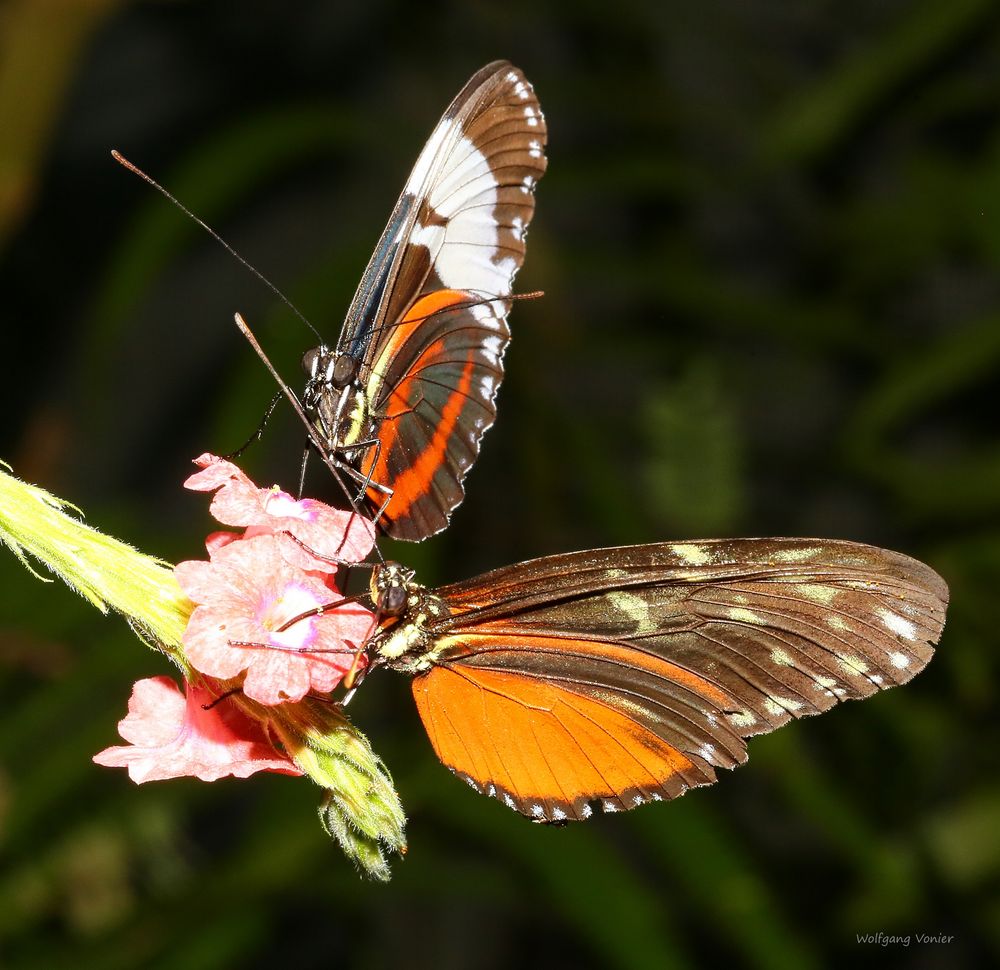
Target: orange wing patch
point(546, 751)
point(415, 480)
point(433, 412)
point(413, 319)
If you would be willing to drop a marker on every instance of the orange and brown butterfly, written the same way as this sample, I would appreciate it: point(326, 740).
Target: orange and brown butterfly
point(402, 401)
point(613, 677)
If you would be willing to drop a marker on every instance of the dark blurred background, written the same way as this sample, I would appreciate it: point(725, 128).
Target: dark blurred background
point(769, 238)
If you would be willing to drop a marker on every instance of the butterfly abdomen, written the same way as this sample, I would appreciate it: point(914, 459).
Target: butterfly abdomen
point(357, 424)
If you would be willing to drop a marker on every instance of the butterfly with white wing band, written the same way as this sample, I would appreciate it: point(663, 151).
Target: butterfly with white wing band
point(402, 401)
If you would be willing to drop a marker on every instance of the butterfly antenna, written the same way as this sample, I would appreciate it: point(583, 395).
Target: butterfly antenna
point(122, 160)
point(451, 307)
point(465, 305)
point(298, 409)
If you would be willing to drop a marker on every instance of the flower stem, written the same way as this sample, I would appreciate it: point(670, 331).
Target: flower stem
point(106, 571)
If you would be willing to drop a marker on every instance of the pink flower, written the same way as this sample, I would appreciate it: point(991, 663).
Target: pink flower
point(247, 596)
point(171, 737)
point(339, 535)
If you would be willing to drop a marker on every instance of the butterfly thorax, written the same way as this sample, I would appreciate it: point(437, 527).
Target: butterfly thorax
point(406, 635)
point(335, 399)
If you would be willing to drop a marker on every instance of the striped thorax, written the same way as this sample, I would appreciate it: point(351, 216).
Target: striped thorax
point(405, 643)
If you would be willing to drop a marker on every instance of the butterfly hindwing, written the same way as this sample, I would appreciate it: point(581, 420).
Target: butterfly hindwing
point(674, 652)
point(435, 411)
point(545, 750)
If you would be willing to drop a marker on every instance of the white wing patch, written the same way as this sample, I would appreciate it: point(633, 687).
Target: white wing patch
point(692, 554)
point(817, 593)
point(742, 719)
point(425, 162)
point(464, 248)
point(741, 615)
point(795, 555)
point(635, 608)
point(852, 665)
point(900, 626)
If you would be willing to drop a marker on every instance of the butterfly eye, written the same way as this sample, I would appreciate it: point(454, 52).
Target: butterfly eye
point(310, 360)
point(343, 370)
point(394, 600)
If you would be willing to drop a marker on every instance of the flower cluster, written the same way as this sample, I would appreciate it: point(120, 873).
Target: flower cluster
point(261, 633)
point(269, 626)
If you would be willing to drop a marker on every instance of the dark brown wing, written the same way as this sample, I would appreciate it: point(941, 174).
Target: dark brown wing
point(630, 674)
point(429, 320)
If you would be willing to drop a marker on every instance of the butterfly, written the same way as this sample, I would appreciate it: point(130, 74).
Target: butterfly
point(614, 677)
point(402, 401)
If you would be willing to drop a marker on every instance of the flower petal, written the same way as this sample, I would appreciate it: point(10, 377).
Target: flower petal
point(256, 612)
point(173, 737)
point(330, 533)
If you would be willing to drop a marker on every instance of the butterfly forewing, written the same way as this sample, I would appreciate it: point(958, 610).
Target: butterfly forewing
point(429, 320)
point(670, 654)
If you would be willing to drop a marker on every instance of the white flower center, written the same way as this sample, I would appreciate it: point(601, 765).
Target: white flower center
point(293, 602)
point(282, 504)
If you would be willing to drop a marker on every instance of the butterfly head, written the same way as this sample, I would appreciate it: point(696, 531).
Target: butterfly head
point(390, 588)
point(326, 368)
point(405, 641)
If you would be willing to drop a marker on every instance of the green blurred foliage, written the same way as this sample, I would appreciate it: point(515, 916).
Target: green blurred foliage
point(769, 239)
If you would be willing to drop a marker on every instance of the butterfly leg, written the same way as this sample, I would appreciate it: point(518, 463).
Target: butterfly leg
point(302, 468)
point(221, 698)
point(332, 560)
point(302, 651)
point(354, 674)
point(384, 505)
point(377, 445)
point(367, 483)
point(256, 436)
point(353, 677)
point(349, 692)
